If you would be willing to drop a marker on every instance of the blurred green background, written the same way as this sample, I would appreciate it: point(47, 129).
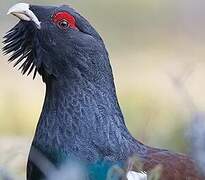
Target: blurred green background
point(151, 43)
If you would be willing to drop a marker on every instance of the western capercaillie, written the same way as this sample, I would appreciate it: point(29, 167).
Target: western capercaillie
point(81, 118)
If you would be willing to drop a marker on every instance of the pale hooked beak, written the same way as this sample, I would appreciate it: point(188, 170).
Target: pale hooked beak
point(22, 11)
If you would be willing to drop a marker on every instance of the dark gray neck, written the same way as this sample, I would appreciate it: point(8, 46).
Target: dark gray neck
point(83, 119)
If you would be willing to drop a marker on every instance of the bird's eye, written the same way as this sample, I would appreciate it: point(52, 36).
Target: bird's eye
point(64, 20)
point(63, 24)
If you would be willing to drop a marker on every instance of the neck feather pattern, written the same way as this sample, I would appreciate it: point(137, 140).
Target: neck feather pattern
point(84, 120)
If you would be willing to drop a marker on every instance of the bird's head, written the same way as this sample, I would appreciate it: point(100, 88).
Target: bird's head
point(54, 41)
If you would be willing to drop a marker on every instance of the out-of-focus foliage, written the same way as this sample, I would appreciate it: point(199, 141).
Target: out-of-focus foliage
point(197, 135)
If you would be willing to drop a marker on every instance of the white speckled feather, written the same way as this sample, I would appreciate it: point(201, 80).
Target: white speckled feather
point(132, 175)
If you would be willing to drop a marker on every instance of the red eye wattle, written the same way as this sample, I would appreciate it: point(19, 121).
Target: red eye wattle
point(61, 18)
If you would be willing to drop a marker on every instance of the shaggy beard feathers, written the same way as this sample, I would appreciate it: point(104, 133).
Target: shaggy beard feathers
point(19, 42)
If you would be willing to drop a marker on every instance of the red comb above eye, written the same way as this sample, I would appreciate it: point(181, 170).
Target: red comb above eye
point(58, 17)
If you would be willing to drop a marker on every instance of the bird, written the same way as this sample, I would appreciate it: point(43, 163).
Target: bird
point(81, 118)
